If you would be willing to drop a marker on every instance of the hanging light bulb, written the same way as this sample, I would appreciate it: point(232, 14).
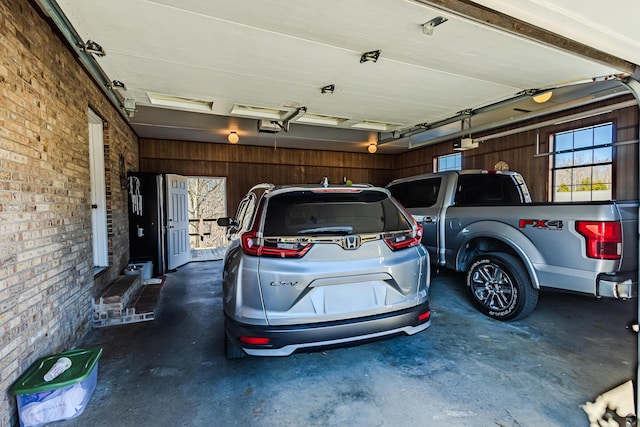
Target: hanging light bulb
point(372, 148)
point(541, 98)
point(233, 137)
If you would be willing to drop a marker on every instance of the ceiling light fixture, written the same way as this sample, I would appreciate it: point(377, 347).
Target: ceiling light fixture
point(378, 126)
point(259, 112)
point(427, 27)
point(317, 119)
point(372, 148)
point(371, 56)
point(173, 101)
point(233, 137)
point(543, 97)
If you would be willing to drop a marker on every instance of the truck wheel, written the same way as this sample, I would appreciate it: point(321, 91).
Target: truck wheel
point(232, 350)
point(501, 287)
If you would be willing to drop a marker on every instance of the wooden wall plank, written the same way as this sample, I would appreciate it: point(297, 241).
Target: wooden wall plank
point(245, 166)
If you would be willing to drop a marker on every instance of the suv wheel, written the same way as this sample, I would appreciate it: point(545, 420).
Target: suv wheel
point(231, 349)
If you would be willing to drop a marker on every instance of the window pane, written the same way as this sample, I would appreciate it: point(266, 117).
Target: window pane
point(564, 141)
point(582, 178)
point(417, 194)
point(564, 160)
point(583, 138)
point(601, 176)
point(602, 155)
point(583, 157)
point(307, 213)
point(449, 162)
point(602, 188)
point(603, 135)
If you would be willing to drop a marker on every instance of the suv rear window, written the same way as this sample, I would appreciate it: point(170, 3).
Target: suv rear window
point(332, 213)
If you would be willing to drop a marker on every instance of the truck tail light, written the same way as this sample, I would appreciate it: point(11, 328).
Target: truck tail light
point(603, 238)
point(406, 240)
point(257, 246)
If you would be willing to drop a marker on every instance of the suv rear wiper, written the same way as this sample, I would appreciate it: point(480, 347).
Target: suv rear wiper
point(341, 231)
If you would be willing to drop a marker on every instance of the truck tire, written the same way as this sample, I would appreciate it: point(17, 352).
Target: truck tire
point(231, 349)
point(500, 286)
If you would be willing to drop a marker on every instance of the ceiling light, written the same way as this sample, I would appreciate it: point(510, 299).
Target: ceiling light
point(372, 148)
point(317, 119)
point(233, 137)
point(370, 56)
point(543, 97)
point(174, 101)
point(427, 27)
point(259, 112)
point(379, 126)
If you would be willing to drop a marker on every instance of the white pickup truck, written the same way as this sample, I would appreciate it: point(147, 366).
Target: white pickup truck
point(483, 223)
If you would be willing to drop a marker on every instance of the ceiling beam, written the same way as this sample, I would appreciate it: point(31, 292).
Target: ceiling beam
point(475, 12)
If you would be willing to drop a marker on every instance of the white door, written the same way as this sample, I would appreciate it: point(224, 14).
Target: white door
point(178, 251)
point(98, 192)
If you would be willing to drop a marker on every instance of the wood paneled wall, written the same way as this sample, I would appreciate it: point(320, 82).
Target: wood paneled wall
point(245, 166)
point(519, 150)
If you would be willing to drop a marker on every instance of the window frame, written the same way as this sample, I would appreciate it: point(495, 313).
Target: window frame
point(573, 166)
point(456, 167)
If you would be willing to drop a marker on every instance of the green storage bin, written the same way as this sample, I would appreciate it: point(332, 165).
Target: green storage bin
point(64, 397)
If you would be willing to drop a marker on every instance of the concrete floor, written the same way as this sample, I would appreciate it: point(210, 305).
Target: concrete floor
point(465, 370)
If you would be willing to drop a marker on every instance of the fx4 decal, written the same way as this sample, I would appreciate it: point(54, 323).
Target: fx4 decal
point(542, 224)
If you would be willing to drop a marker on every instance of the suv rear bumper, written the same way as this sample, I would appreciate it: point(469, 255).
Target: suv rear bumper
point(285, 340)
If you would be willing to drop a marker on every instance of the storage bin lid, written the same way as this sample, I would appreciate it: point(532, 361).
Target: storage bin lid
point(82, 363)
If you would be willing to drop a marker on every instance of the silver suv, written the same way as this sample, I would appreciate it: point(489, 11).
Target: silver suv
point(319, 266)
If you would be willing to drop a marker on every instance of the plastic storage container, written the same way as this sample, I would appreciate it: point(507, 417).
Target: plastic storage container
point(143, 268)
point(64, 397)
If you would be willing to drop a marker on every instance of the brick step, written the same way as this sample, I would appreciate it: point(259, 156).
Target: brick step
point(145, 301)
point(126, 300)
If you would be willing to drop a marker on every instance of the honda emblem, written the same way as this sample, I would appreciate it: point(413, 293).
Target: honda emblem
point(351, 242)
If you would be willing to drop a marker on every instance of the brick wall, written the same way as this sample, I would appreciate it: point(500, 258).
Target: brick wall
point(46, 261)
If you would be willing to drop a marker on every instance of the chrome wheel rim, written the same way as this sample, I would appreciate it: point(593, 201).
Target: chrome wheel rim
point(492, 287)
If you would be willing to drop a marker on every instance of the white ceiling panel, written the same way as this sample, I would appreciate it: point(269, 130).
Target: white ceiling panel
point(280, 53)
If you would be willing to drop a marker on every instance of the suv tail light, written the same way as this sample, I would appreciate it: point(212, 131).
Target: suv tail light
point(405, 240)
point(603, 238)
point(257, 246)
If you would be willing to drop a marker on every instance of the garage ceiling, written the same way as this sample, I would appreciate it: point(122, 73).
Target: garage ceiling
point(279, 54)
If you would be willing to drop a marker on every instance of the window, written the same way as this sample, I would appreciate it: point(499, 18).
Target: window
point(450, 162)
point(582, 164)
point(421, 193)
point(491, 189)
point(332, 214)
